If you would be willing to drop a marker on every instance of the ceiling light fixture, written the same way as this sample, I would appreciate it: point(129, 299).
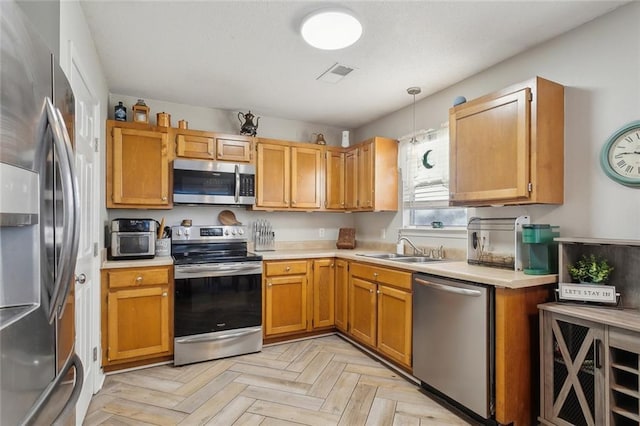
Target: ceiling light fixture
point(414, 91)
point(331, 29)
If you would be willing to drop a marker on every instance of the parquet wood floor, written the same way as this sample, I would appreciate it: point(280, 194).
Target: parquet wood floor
point(321, 381)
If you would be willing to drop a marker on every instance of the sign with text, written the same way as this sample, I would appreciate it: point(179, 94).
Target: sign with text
point(587, 292)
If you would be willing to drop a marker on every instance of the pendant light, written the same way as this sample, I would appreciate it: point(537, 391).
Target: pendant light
point(414, 91)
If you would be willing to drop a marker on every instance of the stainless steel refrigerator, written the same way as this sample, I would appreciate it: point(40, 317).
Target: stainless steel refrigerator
point(40, 375)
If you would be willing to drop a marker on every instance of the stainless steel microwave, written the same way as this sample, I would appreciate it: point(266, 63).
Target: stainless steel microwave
point(213, 182)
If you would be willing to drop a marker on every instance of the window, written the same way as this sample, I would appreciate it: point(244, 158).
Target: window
point(426, 180)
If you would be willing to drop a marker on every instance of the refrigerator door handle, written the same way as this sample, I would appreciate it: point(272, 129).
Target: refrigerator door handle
point(69, 191)
point(74, 206)
point(69, 406)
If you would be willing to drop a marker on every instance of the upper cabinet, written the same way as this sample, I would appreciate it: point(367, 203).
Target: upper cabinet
point(137, 166)
point(508, 147)
point(335, 178)
point(376, 176)
point(289, 175)
point(213, 146)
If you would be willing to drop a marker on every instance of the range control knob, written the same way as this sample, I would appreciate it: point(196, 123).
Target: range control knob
point(240, 231)
point(233, 232)
point(179, 232)
point(186, 232)
point(226, 232)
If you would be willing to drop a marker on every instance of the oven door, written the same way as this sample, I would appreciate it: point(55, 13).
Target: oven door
point(218, 311)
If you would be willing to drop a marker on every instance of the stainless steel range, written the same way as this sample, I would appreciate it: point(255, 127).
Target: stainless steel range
point(218, 293)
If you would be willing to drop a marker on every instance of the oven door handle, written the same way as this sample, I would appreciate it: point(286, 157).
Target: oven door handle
point(208, 338)
point(219, 269)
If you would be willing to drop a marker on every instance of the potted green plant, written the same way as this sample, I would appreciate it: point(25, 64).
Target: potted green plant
point(590, 269)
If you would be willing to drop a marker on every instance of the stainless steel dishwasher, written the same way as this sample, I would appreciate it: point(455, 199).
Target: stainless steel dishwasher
point(453, 351)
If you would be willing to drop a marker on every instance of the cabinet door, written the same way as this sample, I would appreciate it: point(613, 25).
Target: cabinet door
point(139, 169)
point(394, 324)
point(229, 148)
point(573, 378)
point(362, 310)
point(351, 179)
point(342, 294)
point(489, 149)
point(285, 304)
point(273, 175)
point(306, 178)
point(335, 185)
point(365, 176)
point(138, 322)
point(191, 146)
point(323, 293)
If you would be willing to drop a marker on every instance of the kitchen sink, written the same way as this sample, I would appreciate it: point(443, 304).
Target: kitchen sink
point(391, 256)
point(416, 259)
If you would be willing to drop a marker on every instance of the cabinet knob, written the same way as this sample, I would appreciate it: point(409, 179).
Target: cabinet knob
point(164, 294)
point(139, 278)
point(164, 198)
point(370, 291)
point(375, 275)
point(269, 284)
point(378, 292)
point(293, 202)
point(220, 154)
point(332, 265)
point(288, 268)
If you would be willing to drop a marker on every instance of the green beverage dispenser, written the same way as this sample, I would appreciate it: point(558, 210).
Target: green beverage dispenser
point(542, 250)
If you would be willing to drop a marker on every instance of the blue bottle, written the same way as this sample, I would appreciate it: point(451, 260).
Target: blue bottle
point(120, 113)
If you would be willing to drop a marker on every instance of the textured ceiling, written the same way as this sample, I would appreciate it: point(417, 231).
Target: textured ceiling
point(241, 55)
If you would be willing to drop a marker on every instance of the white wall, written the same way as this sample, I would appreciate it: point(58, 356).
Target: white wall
point(219, 120)
point(599, 64)
point(288, 226)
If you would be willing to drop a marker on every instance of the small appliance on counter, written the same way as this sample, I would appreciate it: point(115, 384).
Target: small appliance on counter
point(541, 249)
point(496, 242)
point(133, 239)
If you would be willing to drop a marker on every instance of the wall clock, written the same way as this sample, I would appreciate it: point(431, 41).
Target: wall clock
point(620, 156)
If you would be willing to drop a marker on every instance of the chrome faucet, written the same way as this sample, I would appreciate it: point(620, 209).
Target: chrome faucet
point(415, 249)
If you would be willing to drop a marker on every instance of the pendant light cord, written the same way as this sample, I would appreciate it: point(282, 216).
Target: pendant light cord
point(414, 91)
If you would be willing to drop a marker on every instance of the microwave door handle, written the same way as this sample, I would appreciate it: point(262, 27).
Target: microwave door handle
point(67, 189)
point(74, 205)
point(237, 191)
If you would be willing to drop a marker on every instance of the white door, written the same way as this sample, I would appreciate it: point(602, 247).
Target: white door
point(87, 288)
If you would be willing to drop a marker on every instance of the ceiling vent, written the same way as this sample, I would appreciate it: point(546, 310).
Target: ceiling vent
point(335, 73)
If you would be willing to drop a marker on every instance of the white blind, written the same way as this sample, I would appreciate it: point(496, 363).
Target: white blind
point(427, 169)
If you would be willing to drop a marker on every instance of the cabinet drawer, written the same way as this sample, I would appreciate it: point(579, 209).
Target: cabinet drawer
point(294, 267)
point(382, 275)
point(137, 277)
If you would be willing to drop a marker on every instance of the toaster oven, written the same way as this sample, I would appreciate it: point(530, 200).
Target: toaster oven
point(133, 239)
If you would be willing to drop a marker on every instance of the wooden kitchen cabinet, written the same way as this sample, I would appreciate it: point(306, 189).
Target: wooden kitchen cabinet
point(289, 176)
point(335, 179)
point(137, 172)
point(200, 145)
point(508, 147)
point(137, 315)
point(213, 146)
point(342, 294)
point(373, 179)
point(324, 279)
point(234, 148)
point(351, 179)
point(380, 310)
point(285, 297)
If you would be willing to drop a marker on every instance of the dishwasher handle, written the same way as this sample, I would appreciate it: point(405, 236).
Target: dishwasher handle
point(448, 288)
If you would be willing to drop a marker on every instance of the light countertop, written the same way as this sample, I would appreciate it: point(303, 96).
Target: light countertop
point(446, 268)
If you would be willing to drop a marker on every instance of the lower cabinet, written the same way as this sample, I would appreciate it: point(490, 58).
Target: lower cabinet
point(137, 314)
point(590, 371)
point(285, 296)
point(299, 295)
point(342, 294)
point(379, 309)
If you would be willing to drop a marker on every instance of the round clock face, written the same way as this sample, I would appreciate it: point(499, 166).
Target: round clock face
point(620, 156)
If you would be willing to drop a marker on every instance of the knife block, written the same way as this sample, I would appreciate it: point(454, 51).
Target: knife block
point(346, 238)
